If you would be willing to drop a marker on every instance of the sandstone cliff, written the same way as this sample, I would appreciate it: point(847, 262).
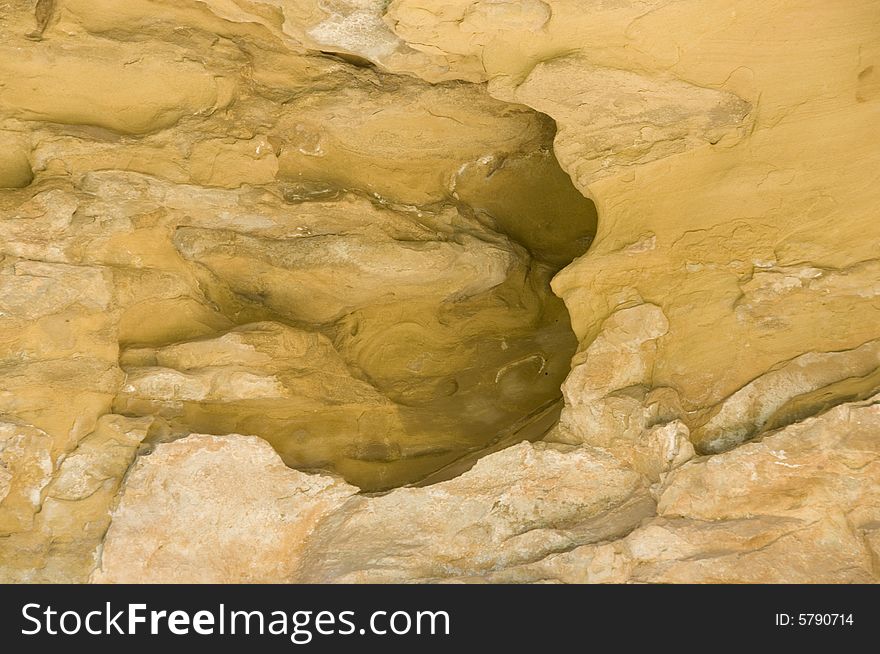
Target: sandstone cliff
point(426, 290)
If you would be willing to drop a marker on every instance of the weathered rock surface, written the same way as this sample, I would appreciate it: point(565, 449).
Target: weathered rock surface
point(190, 510)
point(72, 497)
point(214, 509)
point(249, 250)
point(799, 506)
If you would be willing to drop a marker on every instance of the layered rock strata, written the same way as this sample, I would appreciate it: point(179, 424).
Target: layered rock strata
point(430, 290)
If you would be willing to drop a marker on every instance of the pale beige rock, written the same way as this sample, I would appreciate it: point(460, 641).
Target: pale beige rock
point(831, 461)
point(761, 550)
point(800, 506)
point(608, 398)
point(659, 449)
point(225, 509)
point(214, 509)
point(513, 506)
point(787, 509)
point(620, 357)
point(33, 289)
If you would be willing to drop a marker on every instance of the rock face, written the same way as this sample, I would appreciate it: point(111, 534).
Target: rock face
point(799, 506)
point(423, 290)
point(802, 505)
point(215, 509)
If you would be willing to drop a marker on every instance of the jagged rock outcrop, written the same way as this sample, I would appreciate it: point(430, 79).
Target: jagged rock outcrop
point(215, 509)
point(256, 258)
point(801, 505)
